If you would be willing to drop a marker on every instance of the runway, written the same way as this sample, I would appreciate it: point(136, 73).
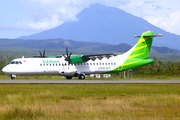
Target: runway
point(55, 81)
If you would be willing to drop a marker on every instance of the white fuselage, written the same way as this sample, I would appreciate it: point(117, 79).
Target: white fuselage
point(58, 66)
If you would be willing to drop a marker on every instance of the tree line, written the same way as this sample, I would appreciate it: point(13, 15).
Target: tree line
point(159, 68)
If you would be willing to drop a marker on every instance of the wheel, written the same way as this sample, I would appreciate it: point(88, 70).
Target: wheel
point(81, 76)
point(12, 78)
point(68, 77)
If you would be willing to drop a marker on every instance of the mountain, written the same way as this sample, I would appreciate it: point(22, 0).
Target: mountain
point(104, 24)
point(122, 47)
point(164, 50)
point(57, 44)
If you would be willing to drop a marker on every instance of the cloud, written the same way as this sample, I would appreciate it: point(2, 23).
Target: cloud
point(46, 14)
point(42, 24)
point(141, 8)
point(65, 9)
point(170, 23)
point(163, 14)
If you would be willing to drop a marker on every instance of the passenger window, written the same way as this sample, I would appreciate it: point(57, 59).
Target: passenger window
point(56, 65)
point(114, 63)
point(93, 63)
point(20, 62)
point(53, 64)
point(99, 63)
point(46, 64)
point(111, 63)
point(87, 63)
point(40, 64)
point(59, 64)
point(108, 63)
point(102, 63)
point(84, 63)
point(96, 63)
point(90, 63)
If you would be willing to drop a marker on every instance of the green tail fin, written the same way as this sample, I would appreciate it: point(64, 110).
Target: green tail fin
point(143, 47)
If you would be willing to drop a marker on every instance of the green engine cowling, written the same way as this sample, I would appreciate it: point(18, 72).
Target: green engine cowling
point(78, 59)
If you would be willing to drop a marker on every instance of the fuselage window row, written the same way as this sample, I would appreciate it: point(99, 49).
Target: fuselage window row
point(78, 64)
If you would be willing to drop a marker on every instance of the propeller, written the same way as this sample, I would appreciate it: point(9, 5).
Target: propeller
point(67, 57)
point(42, 55)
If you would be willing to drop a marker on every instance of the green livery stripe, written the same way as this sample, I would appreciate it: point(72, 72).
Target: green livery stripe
point(131, 64)
point(137, 48)
point(136, 55)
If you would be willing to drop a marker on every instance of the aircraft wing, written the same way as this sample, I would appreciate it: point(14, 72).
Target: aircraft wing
point(36, 56)
point(99, 56)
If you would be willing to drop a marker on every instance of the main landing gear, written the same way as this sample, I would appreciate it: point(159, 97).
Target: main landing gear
point(68, 77)
point(81, 76)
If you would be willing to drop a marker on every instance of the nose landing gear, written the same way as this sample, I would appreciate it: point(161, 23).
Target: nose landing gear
point(13, 77)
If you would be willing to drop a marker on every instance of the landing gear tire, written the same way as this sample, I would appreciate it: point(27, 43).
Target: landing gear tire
point(81, 77)
point(12, 78)
point(68, 77)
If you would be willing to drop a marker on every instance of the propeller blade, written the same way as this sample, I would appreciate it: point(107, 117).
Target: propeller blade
point(44, 52)
point(63, 55)
point(67, 57)
point(70, 55)
point(67, 51)
point(40, 53)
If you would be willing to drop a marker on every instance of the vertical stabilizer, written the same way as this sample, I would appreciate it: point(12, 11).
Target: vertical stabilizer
point(143, 46)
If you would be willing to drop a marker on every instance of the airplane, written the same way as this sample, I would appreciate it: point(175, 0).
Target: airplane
point(81, 65)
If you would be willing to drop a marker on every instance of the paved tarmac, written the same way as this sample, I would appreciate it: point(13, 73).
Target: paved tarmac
point(54, 81)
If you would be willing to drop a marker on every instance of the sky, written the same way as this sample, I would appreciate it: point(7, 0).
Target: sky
point(26, 17)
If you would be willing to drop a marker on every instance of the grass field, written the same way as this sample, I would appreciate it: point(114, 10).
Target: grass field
point(108, 101)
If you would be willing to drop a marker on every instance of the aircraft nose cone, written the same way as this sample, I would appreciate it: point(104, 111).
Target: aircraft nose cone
point(5, 70)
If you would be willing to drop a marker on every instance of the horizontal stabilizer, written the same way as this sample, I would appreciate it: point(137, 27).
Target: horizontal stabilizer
point(158, 35)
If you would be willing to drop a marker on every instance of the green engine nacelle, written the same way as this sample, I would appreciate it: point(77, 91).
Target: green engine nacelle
point(78, 59)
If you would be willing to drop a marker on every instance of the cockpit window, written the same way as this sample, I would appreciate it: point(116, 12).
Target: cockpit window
point(13, 62)
point(16, 62)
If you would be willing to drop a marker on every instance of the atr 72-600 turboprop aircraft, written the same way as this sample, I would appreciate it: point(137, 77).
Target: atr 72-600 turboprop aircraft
point(80, 65)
